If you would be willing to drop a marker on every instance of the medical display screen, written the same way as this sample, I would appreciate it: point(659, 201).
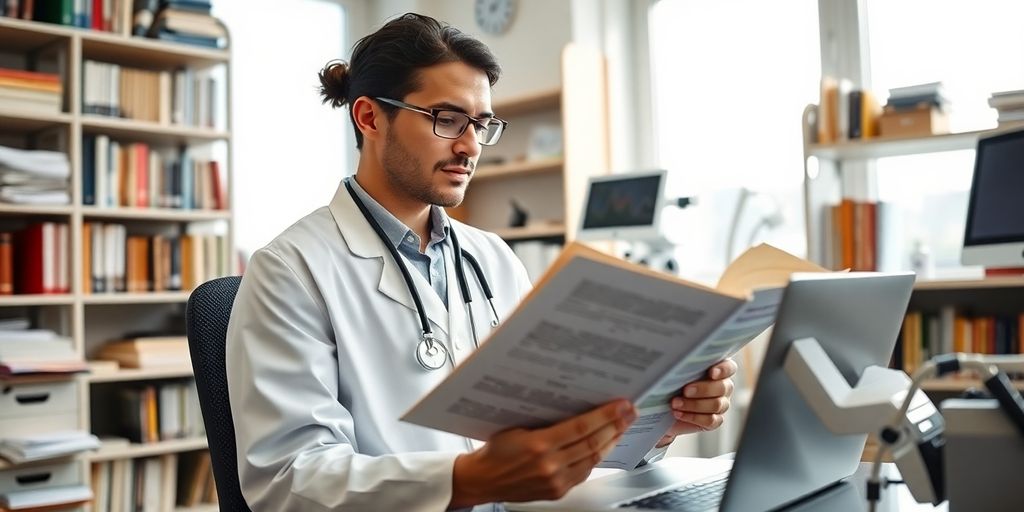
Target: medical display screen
point(622, 203)
point(995, 213)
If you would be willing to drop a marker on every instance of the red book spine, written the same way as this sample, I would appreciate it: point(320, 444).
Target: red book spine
point(29, 260)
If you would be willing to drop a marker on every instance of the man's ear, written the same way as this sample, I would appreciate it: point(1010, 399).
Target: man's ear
point(368, 117)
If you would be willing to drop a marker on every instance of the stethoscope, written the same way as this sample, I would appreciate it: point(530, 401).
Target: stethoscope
point(431, 354)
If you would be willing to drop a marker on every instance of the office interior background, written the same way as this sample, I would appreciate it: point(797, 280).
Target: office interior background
point(715, 92)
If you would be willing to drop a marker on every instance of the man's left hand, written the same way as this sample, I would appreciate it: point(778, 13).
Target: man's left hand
point(701, 404)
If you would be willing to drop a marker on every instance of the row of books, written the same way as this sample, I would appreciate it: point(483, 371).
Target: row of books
point(40, 253)
point(158, 412)
point(104, 15)
point(138, 175)
point(183, 96)
point(153, 484)
point(150, 18)
point(862, 235)
point(34, 176)
point(113, 261)
point(926, 334)
point(845, 113)
point(30, 91)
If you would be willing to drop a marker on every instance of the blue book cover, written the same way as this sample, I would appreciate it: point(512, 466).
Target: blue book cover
point(186, 181)
point(89, 170)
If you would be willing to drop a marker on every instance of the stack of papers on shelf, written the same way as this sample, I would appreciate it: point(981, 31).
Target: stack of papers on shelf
point(47, 446)
point(30, 91)
point(45, 497)
point(149, 352)
point(34, 176)
point(1009, 105)
point(34, 351)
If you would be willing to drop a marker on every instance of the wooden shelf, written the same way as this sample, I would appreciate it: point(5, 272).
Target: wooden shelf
point(30, 209)
point(530, 232)
point(881, 147)
point(147, 131)
point(55, 299)
point(971, 284)
point(18, 36)
point(131, 374)
point(22, 35)
point(514, 169)
point(147, 53)
point(155, 214)
point(136, 298)
point(205, 507)
point(26, 121)
point(958, 385)
point(135, 450)
point(528, 103)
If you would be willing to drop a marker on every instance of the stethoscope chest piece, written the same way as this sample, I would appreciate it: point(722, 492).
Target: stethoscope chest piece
point(430, 353)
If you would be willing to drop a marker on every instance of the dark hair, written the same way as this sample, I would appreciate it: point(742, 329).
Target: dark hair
point(386, 63)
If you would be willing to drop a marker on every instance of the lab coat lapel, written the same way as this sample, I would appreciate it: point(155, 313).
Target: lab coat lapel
point(363, 242)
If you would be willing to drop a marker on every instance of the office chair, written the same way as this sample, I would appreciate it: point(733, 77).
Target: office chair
point(206, 316)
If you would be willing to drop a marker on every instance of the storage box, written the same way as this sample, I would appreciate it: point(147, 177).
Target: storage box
point(917, 122)
point(38, 399)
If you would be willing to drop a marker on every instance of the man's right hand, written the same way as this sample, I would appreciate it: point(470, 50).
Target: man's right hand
point(541, 464)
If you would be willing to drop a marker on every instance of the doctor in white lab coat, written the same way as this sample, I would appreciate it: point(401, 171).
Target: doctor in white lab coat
point(321, 343)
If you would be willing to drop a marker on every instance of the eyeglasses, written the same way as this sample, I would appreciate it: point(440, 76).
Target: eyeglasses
point(451, 124)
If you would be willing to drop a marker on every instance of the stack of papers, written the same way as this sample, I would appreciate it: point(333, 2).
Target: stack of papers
point(47, 497)
point(47, 446)
point(30, 351)
point(34, 177)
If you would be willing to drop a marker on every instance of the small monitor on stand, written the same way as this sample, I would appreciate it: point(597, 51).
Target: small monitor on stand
point(994, 236)
point(624, 207)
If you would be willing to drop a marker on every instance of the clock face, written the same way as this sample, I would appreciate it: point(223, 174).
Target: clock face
point(494, 16)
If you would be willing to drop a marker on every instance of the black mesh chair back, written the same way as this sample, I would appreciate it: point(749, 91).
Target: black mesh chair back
point(207, 314)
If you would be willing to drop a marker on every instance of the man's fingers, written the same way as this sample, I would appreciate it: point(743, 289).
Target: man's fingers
point(708, 389)
point(582, 426)
point(585, 449)
point(723, 370)
point(701, 405)
point(704, 421)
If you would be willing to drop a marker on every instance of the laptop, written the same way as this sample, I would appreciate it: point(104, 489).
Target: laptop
point(785, 454)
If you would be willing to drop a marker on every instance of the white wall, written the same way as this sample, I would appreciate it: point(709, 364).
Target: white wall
point(529, 51)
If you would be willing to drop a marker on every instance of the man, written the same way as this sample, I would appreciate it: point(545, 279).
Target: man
point(326, 323)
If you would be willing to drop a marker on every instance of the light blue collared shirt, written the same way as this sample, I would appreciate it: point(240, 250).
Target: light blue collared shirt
point(430, 264)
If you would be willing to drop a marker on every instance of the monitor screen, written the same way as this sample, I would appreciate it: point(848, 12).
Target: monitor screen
point(627, 202)
point(995, 212)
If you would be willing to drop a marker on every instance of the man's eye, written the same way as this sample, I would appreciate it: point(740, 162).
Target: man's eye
point(445, 121)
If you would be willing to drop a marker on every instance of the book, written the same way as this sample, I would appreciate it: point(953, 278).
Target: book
point(46, 446)
point(577, 342)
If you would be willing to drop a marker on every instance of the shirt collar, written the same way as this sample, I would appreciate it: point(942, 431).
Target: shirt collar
point(393, 228)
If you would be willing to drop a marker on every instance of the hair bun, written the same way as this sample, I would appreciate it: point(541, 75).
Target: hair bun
point(334, 83)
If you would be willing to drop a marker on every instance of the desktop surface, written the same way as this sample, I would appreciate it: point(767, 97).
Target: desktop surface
point(847, 495)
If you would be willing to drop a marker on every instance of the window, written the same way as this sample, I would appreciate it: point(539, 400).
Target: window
point(974, 49)
point(289, 150)
point(729, 89)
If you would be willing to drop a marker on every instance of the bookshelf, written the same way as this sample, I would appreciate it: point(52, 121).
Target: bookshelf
point(549, 187)
point(88, 318)
point(823, 185)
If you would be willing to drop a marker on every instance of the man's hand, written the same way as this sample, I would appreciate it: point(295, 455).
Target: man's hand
point(542, 464)
point(701, 404)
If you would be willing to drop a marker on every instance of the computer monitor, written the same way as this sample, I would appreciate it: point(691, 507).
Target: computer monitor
point(623, 207)
point(994, 236)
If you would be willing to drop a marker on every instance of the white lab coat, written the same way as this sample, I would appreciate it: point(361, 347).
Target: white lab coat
point(320, 365)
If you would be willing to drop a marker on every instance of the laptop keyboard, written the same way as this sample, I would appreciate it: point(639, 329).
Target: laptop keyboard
point(698, 496)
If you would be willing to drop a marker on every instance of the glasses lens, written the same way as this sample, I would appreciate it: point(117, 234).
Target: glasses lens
point(450, 124)
point(490, 132)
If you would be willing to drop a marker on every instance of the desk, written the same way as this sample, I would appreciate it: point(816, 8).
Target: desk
point(848, 495)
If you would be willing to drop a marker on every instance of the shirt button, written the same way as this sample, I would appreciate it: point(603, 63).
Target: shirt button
point(410, 239)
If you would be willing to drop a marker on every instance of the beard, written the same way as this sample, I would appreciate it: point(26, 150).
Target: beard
point(403, 172)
